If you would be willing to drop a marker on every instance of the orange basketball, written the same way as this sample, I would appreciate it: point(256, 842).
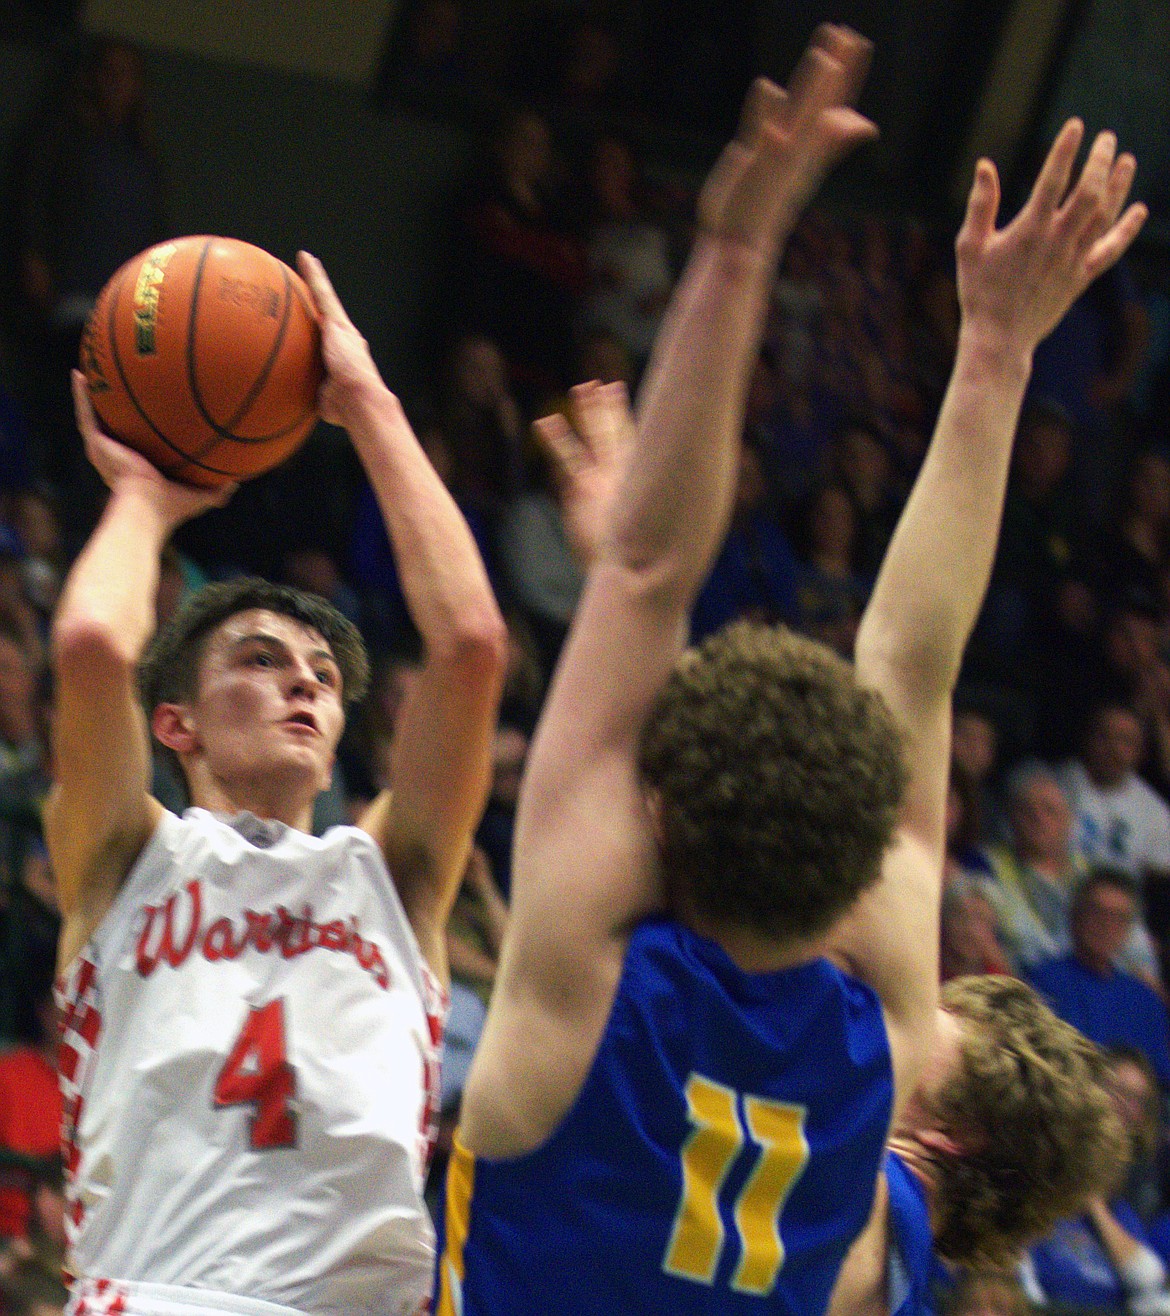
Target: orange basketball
point(204, 354)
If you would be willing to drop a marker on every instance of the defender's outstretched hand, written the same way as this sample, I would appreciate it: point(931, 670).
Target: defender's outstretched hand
point(1016, 283)
point(589, 458)
point(788, 141)
point(119, 466)
point(349, 367)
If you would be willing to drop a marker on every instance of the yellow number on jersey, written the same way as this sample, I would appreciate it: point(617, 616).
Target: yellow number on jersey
point(779, 1129)
point(697, 1238)
point(696, 1241)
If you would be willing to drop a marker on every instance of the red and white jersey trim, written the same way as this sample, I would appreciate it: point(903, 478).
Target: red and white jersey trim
point(109, 1297)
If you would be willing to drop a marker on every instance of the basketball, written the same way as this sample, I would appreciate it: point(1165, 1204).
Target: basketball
point(204, 355)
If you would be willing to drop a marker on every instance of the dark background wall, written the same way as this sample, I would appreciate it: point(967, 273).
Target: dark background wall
point(289, 158)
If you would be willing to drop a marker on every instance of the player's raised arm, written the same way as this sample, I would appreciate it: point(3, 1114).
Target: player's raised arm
point(1015, 285)
point(586, 867)
point(443, 737)
point(100, 813)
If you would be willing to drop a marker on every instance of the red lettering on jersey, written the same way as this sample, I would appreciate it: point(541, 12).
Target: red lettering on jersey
point(258, 930)
point(148, 959)
point(333, 935)
point(290, 934)
point(220, 944)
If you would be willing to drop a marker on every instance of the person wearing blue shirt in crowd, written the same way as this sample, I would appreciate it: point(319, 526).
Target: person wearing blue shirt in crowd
point(1105, 1003)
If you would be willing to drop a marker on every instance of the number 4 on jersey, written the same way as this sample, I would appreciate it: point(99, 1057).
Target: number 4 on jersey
point(257, 1073)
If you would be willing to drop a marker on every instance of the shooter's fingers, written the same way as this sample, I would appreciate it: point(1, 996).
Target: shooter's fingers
point(313, 273)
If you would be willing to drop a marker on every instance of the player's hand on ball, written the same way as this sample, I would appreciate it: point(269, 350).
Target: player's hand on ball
point(120, 466)
point(589, 458)
point(349, 368)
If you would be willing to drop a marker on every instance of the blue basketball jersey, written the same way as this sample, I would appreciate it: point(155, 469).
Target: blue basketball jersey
point(721, 1155)
point(912, 1262)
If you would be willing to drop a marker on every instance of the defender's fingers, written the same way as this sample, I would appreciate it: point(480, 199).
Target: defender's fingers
point(854, 53)
point(763, 104)
point(1107, 251)
point(1117, 189)
point(602, 416)
point(982, 205)
point(1084, 204)
point(558, 439)
point(1053, 179)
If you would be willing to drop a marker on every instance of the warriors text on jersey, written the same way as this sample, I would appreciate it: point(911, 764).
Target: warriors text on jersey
point(249, 1072)
point(720, 1157)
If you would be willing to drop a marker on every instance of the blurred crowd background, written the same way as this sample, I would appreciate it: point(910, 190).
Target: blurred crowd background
point(505, 204)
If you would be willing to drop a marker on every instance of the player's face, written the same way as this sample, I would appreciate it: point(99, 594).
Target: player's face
point(269, 702)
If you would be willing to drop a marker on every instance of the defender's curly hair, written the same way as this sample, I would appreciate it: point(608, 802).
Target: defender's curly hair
point(169, 670)
point(779, 779)
point(1039, 1132)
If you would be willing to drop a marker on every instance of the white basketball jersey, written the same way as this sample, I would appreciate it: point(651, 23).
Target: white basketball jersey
point(249, 1068)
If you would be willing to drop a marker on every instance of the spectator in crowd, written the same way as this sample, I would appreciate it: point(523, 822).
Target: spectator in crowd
point(509, 754)
point(756, 572)
point(92, 197)
point(964, 824)
point(862, 461)
point(37, 522)
point(1099, 1261)
point(1035, 871)
point(538, 563)
point(830, 594)
point(1105, 1259)
point(629, 266)
point(314, 571)
point(1135, 550)
point(968, 940)
point(1119, 819)
point(526, 267)
point(30, 1101)
point(1108, 1005)
point(1133, 1085)
point(481, 424)
point(475, 933)
point(975, 752)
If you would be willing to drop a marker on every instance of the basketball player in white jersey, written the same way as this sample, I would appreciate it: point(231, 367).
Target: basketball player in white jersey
point(249, 1056)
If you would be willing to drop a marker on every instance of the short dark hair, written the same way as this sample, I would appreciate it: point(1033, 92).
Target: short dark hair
point(779, 778)
point(1105, 875)
point(29, 1286)
point(169, 670)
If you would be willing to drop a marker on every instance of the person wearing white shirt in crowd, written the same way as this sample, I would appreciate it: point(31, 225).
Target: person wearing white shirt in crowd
point(1120, 820)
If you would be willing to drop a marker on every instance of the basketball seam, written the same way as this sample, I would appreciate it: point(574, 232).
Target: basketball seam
point(187, 458)
point(258, 387)
point(223, 432)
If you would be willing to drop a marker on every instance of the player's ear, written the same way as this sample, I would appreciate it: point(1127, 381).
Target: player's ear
point(172, 727)
point(936, 1140)
point(653, 800)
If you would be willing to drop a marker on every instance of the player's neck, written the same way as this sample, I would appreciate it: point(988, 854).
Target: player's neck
point(755, 952)
point(271, 800)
